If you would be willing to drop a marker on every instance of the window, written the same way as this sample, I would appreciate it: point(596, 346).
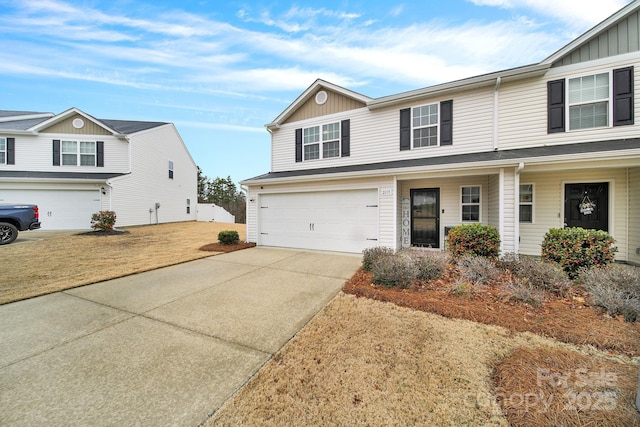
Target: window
point(425, 126)
point(85, 151)
point(471, 204)
point(3, 150)
point(589, 101)
point(526, 203)
point(170, 169)
point(312, 137)
point(188, 206)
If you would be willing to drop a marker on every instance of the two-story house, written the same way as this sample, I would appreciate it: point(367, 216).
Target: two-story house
point(551, 144)
point(73, 165)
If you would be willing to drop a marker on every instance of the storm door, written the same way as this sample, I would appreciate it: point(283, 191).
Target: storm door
point(425, 217)
point(587, 206)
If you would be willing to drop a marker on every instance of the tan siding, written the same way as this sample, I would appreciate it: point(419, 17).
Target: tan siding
point(549, 205)
point(624, 37)
point(66, 126)
point(634, 208)
point(336, 103)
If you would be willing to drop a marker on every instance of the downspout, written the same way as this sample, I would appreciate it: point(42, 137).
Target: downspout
point(516, 208)
point(496, 107)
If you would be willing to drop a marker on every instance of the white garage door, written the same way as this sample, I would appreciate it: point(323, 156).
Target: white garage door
point(344, 221)
point(59, 209)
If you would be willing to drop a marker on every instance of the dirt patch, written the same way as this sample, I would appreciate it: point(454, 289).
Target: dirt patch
point(567, 319)
point(219, 247)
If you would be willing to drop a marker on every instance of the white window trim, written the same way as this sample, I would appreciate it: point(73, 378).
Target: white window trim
point(532, 203)
point(78, 153)
point(321, 142)
point(4, 158)
point(465, 221)
point(568, 105)
point(437, 126)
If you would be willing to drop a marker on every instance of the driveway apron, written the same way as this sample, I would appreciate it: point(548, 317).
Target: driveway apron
point(165, 347)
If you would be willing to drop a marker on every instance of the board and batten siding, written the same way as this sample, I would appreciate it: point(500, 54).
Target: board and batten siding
point(386, 202)
point(66, 126)
point(623, 37)
point(634, 209)
point(335, 103)
point(35, 153)
point(375, 134)
point(522, 115)
point(148, 183)
point(549, 205)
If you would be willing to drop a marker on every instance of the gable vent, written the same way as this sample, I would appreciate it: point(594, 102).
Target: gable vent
point(321, 97)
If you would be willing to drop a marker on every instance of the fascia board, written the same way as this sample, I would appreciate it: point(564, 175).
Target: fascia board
point(68, 113)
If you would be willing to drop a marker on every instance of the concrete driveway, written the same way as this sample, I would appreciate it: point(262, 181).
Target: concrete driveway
point(165, 347)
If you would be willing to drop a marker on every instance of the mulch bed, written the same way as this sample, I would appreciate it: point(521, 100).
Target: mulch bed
point(219, 247)
point(113, 232)
point(569, 319)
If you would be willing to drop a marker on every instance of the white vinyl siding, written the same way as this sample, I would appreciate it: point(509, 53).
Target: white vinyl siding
point(374, 135)
point(523, 109)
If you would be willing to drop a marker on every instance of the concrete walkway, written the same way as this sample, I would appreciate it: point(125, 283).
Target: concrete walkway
point(165, 347)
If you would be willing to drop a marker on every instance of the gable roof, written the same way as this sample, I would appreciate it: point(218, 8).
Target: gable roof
point(32, 122)
point(307, 94)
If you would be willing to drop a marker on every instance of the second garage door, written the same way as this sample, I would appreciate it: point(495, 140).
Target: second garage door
point(344, 221)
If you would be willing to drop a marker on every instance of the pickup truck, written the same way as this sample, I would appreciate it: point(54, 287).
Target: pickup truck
point(15, 218)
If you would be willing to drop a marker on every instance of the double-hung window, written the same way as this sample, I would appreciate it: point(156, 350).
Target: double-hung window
point(425, 125)
point(589, 101)
point(470, 204)
point(78, 153)
point(526, 203)
point(322, 141)
point(170, 169)
point(3, 150)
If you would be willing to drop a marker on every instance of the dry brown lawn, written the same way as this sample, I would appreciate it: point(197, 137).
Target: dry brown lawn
point(362, 362)
point(56, 263)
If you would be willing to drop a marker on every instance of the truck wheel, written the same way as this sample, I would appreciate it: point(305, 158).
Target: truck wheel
point(8, 233)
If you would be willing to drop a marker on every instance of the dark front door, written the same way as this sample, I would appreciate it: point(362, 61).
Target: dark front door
point(425, 217)
point(587, 206)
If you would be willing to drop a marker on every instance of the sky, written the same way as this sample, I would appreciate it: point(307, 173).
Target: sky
point(220, 70)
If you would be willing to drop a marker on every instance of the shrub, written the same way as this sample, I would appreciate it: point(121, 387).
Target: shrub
point(103, 220)
point(544, 275)
point(614, 288)
point(474, 239)
point(431, 264)
point(461, 287)
point(371, 255)
point(228, 237)
point(394, 271)
point(520, 289)
point(577, 248)
point(478, 269)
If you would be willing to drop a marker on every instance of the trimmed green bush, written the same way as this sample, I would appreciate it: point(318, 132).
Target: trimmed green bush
point(577, 248)
point(474, 240)
point(228, 237)
point(103, 220)
point(371, 255)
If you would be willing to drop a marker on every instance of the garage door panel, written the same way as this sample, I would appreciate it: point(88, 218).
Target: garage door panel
point(337, 221)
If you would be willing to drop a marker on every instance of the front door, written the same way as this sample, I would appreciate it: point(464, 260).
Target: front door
point(425, 217)
point(587, 206)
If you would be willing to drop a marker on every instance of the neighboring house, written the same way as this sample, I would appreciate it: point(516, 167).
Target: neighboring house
point(73, 165)
point(210, 212)
point(523, 149)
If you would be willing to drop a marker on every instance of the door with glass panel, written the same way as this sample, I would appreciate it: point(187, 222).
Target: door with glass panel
point(425, 217)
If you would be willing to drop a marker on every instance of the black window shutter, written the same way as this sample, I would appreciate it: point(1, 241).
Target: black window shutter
point(555, 106)
point(405, 129)
point(345, 136)
point(298, 145)
point(446, 122)
point(100, 154)
point(623, 96)
point(56, 152)
point(11, 151)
